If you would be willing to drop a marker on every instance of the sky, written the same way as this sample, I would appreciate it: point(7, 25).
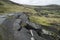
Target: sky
point(37, 2)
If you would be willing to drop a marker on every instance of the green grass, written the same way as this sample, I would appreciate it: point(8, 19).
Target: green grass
point(46, 21)
point(39, 20)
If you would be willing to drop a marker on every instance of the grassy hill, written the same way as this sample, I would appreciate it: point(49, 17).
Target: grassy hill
point(8, 6)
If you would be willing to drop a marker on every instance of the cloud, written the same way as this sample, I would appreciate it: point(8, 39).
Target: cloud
point(37, 2)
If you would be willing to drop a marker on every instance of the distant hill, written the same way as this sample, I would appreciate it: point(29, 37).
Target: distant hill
point(47, 7)
point(53, 5)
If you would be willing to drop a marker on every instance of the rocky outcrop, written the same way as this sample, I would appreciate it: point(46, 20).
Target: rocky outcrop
point(18, 26)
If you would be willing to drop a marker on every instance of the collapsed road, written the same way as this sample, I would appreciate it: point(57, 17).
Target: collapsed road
point(11, 26)
point(18, 27)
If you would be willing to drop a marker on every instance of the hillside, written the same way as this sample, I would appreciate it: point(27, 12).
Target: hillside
point(36, 12)
point(8, 6)
point(46, 16)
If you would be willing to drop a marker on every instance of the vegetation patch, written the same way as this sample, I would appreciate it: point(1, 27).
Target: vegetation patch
point(0, 37)
point(46, 21)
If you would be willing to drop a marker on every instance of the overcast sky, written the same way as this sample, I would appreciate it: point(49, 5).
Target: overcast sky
point(37, 2)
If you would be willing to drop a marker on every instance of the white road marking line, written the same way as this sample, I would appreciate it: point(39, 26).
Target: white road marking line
point(32, 38)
